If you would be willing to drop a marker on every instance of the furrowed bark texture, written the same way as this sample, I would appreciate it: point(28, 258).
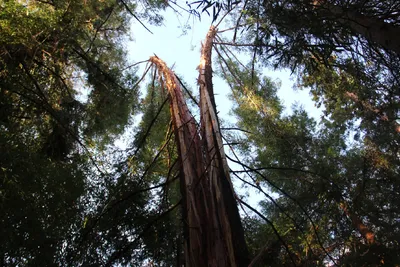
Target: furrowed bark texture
point(223, 203)
point(193, 190)
point(213, 231)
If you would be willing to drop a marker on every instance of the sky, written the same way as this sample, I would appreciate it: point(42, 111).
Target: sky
point(180, 48)
point(182, 52)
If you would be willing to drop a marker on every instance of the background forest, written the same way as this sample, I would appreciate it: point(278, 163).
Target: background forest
point(331, 188)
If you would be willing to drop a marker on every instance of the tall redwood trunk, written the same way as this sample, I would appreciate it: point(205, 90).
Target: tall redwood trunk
point(223, 195)
point(213, 231)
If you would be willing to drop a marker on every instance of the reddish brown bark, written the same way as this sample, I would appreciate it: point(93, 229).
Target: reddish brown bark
point(192, 169)
point(213, 231)
point(230, 232)
point(364, 230)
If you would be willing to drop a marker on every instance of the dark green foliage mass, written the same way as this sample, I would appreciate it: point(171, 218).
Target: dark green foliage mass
point(330, 187)
point(327, 197)
point(52, 54)
point(333, 182)
point(39, 203)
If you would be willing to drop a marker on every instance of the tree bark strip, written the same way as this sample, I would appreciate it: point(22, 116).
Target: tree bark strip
point(224, 202)
point(213, 231)
point(191, 164)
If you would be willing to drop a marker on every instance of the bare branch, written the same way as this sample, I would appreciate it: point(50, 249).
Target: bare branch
point(273, 228)
point(130, 11)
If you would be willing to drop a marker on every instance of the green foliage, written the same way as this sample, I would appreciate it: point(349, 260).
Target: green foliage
point(132, 223)
point(53, 53)
point(297, 33)
point(325, 187)
point(110, 104)
point(66, 89)
point(156, 150)
point(40, 203)
point(337, 179)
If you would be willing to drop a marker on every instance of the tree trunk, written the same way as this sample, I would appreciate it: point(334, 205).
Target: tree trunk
point(365, 232)
point(371, 28)
point(224, 205)
point(213, 231)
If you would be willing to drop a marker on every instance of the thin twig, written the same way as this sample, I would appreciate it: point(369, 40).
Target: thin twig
point(236, 129)
point(238, 21)
point(273, 228)
point(135, 64)
point(121, 251)
point(295, 201)
point(186, 90)
point(130, 11)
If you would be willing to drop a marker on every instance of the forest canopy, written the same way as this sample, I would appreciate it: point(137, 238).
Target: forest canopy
point(175, 194)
